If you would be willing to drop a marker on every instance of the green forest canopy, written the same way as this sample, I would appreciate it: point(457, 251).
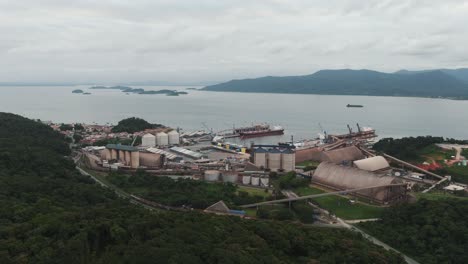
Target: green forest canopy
point(51, 214)
point(133, 124)
point(431, 231)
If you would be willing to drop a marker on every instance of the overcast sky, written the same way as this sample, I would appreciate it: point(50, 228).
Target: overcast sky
point(216, 40)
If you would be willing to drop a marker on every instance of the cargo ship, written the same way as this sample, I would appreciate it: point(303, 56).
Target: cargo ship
point(262, 131)
point(258, 130)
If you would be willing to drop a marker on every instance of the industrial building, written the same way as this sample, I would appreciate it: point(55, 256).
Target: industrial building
point(342, 155)
point(273, 157)
point(131, 156)
point(186, 152)
point(127, 155)
point(339, 177)
point(374, 164)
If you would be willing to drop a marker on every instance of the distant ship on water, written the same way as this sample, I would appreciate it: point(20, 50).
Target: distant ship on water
point(354, 105)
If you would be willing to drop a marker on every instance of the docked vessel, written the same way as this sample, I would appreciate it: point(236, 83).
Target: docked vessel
point(258, 130)
point(262, 131)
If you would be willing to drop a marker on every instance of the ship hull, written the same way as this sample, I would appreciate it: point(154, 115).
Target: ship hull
point(262, 133)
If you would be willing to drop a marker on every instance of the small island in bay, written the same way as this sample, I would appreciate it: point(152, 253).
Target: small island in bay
point(128, 90)
point(77, 91)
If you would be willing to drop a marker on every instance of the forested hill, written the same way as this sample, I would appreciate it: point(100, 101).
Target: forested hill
point(432, 231)
point(51, 214)
point(435, 83)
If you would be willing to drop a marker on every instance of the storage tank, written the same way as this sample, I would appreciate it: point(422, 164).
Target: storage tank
point(211, 175)
point(173, 137)
point(255, 181)
point(288, 160)
point(246, 179)
point(230, 176)
point(148, 140)
point(260, 158)
point(128, 159)
point(264, 181)
point(135, 159)
point(274, 160)
point(162, 139)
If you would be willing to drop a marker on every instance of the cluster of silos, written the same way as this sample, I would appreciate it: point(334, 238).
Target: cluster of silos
point(161, 139)
point(274, 158)
point(256, 180)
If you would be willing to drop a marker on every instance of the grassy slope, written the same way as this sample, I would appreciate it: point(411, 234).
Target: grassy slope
point(341, 206)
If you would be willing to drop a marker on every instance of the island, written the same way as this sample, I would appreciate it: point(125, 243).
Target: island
point(442, 83)
point(128, 90)
point(77, 91)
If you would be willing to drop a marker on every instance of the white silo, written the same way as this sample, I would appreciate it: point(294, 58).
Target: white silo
point(264, 181)
point(148, 140)
point(230, 176)
point(255, 180)
point(173, 137)
point(211, 175)
point(246, 179)
point(162, 139)
point(288, 160)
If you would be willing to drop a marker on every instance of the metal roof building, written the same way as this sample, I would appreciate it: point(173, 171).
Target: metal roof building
point(341, 155)
point(168, 155)
point(187, 152)
point(377, 163)
point(340, 177)
point(121, 147)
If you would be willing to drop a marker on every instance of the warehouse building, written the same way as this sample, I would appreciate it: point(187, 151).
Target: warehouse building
point(344, 155)
point(273, 157)
point(131, 156)
point(374, 164)
point(340, 177)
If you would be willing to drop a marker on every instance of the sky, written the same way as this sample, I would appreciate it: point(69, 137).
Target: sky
point(209, 41)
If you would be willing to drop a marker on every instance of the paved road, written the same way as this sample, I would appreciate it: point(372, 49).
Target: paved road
point(372, 239)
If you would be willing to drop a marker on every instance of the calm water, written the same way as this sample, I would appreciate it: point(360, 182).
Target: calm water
point(299, 114)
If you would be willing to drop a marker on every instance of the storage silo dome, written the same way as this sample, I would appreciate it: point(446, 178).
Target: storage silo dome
point(162, 139)
point(148, 140)
point(173, 137)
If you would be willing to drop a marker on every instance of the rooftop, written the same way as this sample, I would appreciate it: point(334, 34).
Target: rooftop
point(121, 147)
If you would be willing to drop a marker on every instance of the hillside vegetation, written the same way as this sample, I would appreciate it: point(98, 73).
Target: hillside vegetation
point(435, 83)
point(431, 231)
point(51, 214)
point(133, 124)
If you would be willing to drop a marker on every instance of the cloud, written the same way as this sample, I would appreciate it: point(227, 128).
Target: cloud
point(176, 40)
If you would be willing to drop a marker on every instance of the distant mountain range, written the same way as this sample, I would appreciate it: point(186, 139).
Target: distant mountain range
point(430, 83)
